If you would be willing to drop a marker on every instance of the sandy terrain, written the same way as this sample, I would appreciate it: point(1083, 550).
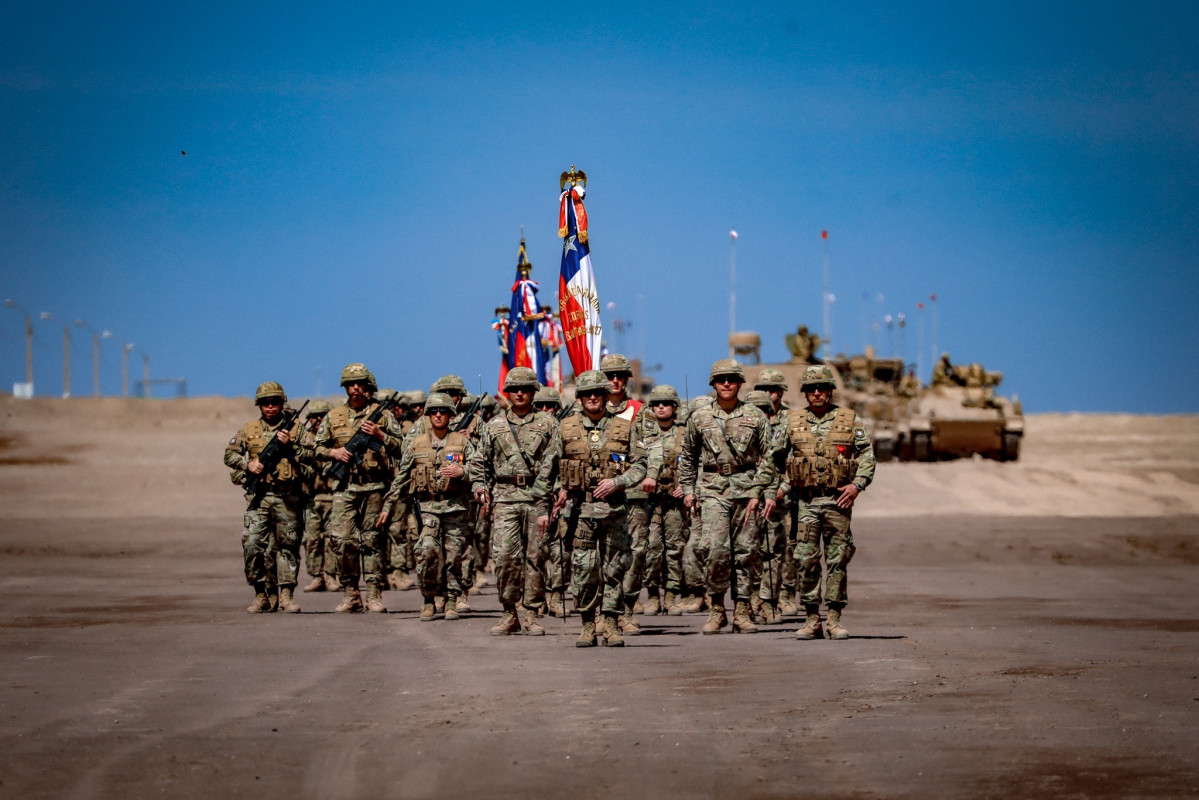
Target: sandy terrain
point(1024, 629)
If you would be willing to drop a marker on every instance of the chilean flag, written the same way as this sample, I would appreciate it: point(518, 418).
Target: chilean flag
point(578, 300)
point(524, 329)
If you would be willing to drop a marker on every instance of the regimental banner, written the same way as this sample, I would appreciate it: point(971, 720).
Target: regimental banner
point(578, 298)
point(526, 319)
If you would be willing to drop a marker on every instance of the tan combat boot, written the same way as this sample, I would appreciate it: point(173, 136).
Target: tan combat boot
point(287, 603)
point(404, 582)
point(553, 604)
point(439, 604)
point(787, 604)
point(628, 625)
point(261, 604)
point(755, 607)
point(612, 637)
point(835, 629)
point(770, 614)
point(587, 635)
point(451, 609)
point(509, 623)
point(374, 599)
point(687, 605)
point(427, 610)
point(742, 621)
point(351, 601)
point(811, 628)
point(653, 604)
point(668, 602)
point(316, 585)
point(331, 582)
point(393, 580)
point(716, 617)
point(532, 626)
point(460, 605)
point(272, 597)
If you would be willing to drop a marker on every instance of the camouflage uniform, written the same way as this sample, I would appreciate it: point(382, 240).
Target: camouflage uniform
point(272, 524)
point(590, 451)
point(318, 508)
point(516, 472)
point(358, 545)
point(443, 503)
point(725, 465)
point(668, 520)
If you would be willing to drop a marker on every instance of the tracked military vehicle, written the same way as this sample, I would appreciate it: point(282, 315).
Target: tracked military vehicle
point(881, 394)
point(960, 415)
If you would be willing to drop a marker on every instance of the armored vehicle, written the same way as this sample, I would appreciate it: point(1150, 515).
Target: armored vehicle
point(879, 391)
point(960, 415)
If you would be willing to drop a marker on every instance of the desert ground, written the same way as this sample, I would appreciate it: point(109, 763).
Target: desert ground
point(1027, 629)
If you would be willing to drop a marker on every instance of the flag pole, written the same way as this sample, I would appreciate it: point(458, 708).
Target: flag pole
point(827, 332)
point(732, 288)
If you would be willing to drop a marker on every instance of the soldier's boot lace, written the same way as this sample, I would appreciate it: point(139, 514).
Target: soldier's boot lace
point(834, 627)
point(716, 616)
point(260, 605)
point(427, 610)
point(587, 635)
point(612, 637)
point(351, 601)
point(742, 621)
point(287, 603)
point(374, 598)
point(317, 584)
point(811, 628)
point(509, 623)
point(532, 626)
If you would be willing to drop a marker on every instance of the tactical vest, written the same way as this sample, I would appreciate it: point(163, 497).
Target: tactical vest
point(727, 447)
point(343, 429)
point(257, 436)
point(583, 466)
point(822, 462)
point(668, 474)
point(428, 461)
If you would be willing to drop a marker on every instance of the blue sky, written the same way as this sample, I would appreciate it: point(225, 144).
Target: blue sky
point(356, 180)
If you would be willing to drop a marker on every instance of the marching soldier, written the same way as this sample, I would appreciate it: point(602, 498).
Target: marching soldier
point(782, 579)
point(432, 473)
point(318, 507)
point(665, 512)
point(511, 475)
point(271, 538)
point(695, 552)
point(828, 461)
point(598, 463)
point(358, 542)
point(725, 471)
point(763, 603)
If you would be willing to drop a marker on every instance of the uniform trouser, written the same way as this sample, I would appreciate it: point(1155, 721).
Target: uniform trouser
point(478, 549)
point(318, 550)
point(270, 540)
point(557, 560)
point(600, 557)
point(824, 526)
point(695, 552)
point(733, 538)
point(519, 552)
point(667, 540)
point(769, 573)
point(439, 559)
point(402, 532)
point(357, 545)
point(638, 525)
point(788, 570)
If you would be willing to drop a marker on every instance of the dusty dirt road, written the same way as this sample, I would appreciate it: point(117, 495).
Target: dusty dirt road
point(1024, 629)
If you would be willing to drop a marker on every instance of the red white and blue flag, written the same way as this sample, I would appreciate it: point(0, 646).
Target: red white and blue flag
point(525, 348)
point(578, 300)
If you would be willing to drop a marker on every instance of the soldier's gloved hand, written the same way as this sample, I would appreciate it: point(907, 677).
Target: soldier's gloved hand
point(649, 485)
point(254, 466)
point(604, 488)
point(848, 495)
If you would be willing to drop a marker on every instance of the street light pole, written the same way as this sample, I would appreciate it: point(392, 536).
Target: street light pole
point(28, 341)
point(66, 355)
point(145, 374)
point(125, 350)
point(96, 337)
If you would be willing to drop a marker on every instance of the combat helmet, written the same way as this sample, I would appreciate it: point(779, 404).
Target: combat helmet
point(488, 403)
point(591, 381)
point(268, 390)
point(816, 375)
point(771, 379)
point(385, 394)
point(416, 398)
point(548, 394)
point(616, 363)
point(442, 401)
point(663, 393)
point(353, 373)
point(450, 383)
point(760, 399)
point(703, 401)
point(318, 408)
point(520, 378)
point(726, 366)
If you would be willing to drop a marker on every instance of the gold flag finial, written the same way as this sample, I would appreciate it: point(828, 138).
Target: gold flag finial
point(574, 177)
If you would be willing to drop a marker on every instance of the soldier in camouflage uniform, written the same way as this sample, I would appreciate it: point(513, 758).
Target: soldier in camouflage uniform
point(778, 526)
point(763, 604)
point(618, 371)
point(598, 462)
point(512, 472)
point(548, 400)
point(318, 508)
point(432, 472)
point(667, 516)
point(271, 537)
point(828, 461)
point(726, 469)
point(557, 565)
point(695, 552)
point(358, 542)
point(402, 528)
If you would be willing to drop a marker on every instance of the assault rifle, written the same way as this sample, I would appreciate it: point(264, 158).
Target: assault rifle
point(271, 455)
point(339, 471)
point(471, 410)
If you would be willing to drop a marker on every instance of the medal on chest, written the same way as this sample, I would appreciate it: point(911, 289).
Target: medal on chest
point(595, 436)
